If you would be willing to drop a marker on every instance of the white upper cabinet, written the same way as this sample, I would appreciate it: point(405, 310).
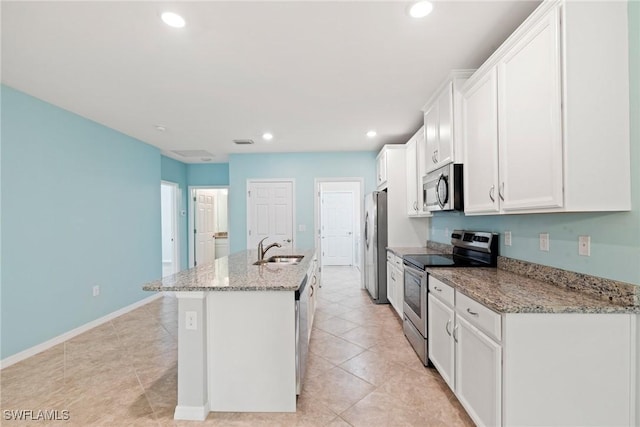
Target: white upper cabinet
point(381, 170)
point(415, 149)
point(442, 123)
point(530, 128)
point(480, 116)
point(548, 111)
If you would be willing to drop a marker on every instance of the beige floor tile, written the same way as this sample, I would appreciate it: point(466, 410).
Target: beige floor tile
point(124, 372)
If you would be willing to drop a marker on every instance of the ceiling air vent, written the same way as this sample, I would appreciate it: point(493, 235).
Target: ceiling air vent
point(193, 153)
point(243, 141)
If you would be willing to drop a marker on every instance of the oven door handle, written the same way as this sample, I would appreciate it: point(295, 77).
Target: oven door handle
point(414, 270)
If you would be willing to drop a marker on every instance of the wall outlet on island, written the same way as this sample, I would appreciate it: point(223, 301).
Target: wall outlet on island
point(96, 290)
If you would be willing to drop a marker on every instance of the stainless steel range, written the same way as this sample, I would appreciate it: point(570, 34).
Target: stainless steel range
point(470, 249)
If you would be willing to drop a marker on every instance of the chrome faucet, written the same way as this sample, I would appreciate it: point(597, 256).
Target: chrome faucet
point(262, 251)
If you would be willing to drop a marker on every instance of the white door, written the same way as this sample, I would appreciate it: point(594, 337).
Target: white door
point(169, 209)
point(205, 220)
point(445, 126)
point(337, 228)
point(270, 213)
point(441, 344)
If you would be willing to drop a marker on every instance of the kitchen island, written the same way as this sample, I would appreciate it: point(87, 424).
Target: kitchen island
point(238, 333)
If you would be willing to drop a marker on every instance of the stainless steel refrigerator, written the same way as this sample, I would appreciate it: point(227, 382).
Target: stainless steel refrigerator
point(375, 244)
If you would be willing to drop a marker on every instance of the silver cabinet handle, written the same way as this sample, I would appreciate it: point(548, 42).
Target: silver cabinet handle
point(501, 192)
point(446, 328)
point(437, 288)
point(473, 313)
point(455, 335)
point(415, 206)
point(491, 191)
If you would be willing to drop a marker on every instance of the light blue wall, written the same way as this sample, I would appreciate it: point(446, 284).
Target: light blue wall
point(174, 171)
point(304, 168)
point(615, 237)
point(208, 174)
point(81, 207)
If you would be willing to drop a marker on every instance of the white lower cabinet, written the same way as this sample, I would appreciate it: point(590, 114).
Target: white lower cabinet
point(534, 369)
point(395, 282)
point(478, 373)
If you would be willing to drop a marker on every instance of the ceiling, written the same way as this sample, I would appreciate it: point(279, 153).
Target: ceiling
point(317, 75)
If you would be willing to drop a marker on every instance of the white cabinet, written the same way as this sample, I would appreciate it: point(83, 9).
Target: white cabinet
point(478, 373)
point(314, 283)
point(542, 369)
point(395, 282)
point(442, 123)
point(415, 149)
point(402, 231)
point(467, 358)
point(536, 113)
point(381, 170)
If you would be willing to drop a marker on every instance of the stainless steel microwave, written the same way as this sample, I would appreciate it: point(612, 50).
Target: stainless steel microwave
point(442, 189)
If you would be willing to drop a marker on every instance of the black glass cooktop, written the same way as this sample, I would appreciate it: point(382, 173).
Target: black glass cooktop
point(435, 260)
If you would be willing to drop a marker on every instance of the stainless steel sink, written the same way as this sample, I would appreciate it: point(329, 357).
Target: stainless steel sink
point(281, 259)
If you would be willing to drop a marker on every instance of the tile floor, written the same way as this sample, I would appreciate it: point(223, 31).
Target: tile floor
point(361, 372)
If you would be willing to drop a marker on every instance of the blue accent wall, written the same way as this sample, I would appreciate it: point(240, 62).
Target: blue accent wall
point(304, 168)
point(174, 171)
point(81, 207)
point(615, 237)
point(214, 174)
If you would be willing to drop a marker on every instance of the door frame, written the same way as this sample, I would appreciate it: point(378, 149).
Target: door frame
point(191, 221)
point(294, 233)
point(317, 215)
point(175, 229)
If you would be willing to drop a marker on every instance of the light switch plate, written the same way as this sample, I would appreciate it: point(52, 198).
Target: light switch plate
point(584, 245)
point(544, 242)
point(507, 238)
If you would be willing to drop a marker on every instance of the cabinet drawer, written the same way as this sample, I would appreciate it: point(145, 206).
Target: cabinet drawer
point(443, 292)
point(480, 316)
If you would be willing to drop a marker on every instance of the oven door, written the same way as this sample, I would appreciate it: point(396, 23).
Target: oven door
point(415, 298)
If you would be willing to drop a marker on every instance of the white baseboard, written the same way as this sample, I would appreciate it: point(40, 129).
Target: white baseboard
point(191, 413)
point(24, 354)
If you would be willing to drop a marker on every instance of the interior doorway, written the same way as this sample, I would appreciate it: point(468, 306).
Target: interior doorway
point(208, 224)
point(339, 221)
point(169, 193)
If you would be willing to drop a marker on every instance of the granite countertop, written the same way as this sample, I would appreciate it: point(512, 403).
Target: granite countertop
point(412, 251)
point(236, 272)
point(506, 292)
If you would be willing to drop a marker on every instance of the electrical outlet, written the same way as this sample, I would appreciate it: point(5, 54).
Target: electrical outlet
point(544, 242)
point(507, 238)
point(96, 290)
point(191, 320)
point(584, 245)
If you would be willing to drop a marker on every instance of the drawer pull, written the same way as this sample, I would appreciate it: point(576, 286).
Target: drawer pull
point(473, 313)
point(437, 288)
point(447, 327)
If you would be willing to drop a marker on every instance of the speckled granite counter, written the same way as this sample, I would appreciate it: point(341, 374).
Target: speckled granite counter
point(236, 272)
point(506, 292)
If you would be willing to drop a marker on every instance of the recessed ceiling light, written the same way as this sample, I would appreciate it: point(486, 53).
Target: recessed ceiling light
point(372, 133)
point(420, 9)
point(173, 19)
point(267, 136)
point(160, 128)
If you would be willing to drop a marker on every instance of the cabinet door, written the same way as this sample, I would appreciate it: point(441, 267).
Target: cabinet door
point(478, 374)
point(431, 137)
point(399, 279)
point(382, 169)
point(445, 126)
point(441, 344)
point(412, 177)
point(421, 155)
point(391, 288)
point(480, 139)
point(530, 130)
